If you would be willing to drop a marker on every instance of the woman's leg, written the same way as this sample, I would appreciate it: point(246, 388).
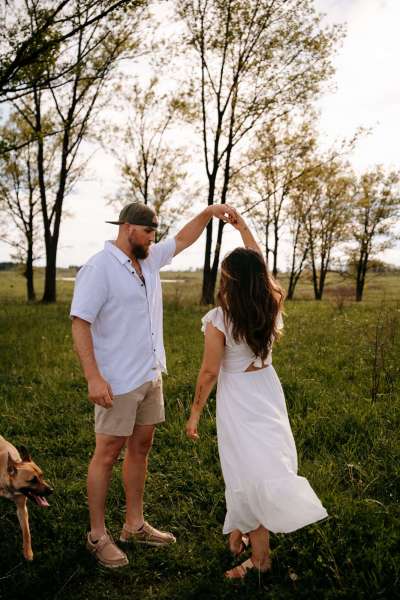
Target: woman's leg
point(260, 551)
point(260, 555)
point(238, 542)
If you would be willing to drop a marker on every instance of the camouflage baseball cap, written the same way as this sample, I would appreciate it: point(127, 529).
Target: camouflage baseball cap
point(137, 214)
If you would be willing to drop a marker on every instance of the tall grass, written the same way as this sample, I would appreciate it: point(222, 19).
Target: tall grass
point(338, 363)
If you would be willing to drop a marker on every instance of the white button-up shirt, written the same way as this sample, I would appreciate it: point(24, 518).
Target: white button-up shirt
point(125, 315)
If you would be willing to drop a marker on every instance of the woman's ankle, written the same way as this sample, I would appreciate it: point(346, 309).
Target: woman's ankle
point(262, 563)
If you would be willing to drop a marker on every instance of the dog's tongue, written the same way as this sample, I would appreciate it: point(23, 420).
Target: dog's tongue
point(40, 501)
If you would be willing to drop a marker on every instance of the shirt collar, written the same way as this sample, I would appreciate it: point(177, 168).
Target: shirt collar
point(110, 247)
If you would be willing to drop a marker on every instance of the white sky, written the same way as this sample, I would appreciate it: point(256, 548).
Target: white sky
point(367, 94)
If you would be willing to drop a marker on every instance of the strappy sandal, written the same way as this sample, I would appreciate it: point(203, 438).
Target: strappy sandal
point(240, 571)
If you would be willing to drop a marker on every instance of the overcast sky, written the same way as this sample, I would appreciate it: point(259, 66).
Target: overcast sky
point(367, 94)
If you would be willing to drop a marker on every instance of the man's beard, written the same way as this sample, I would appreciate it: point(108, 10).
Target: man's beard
point(139, 251)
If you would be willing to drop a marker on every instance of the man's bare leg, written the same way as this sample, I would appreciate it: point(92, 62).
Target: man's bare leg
point(106, 453)
point(134, 473)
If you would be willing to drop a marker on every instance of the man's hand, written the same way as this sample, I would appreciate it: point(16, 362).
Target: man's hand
point(225, 212)
point(99, 392)
point(191, 427)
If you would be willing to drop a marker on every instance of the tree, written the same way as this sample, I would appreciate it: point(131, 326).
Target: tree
point(255, 58)
point(326, 193)
point(31, 31)
point(151, 168)
point(68, 108)
point(19, 198)
point(376, 208)
point(281, 153)
point(296, 217)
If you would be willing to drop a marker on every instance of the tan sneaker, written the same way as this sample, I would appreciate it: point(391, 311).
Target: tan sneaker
point(106, 552)
point(147, 535)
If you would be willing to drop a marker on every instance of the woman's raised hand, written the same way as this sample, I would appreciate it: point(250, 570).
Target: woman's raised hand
point(248, 239)
point(237, 221)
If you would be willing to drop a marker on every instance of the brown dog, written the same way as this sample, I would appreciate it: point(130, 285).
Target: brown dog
point(20, 479)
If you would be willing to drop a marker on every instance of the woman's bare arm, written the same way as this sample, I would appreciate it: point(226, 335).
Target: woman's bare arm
point(214, 344)
point(248, 238)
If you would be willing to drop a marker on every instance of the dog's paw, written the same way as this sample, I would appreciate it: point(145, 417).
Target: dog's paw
point(28, 554)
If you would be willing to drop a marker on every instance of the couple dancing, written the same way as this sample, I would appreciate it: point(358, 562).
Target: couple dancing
point(116, 316)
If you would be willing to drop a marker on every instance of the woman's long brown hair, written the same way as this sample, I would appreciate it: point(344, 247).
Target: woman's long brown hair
point(250, 300)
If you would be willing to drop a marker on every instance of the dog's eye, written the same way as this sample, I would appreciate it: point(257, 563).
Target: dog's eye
point(33, 480)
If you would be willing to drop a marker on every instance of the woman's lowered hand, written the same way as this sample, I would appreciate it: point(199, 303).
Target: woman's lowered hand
point(191, 427)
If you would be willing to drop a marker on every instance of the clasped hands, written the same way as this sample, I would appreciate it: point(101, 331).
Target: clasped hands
point(228, 214)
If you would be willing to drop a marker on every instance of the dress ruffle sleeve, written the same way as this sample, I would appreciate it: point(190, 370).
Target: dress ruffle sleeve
point(216, 317)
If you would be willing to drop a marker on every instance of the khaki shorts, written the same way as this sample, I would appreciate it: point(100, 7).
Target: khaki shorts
point(142, 406)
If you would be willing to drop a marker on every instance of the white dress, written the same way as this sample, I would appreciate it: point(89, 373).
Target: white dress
point(256, 446)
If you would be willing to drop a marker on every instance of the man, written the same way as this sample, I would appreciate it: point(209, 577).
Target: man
point(117, 333)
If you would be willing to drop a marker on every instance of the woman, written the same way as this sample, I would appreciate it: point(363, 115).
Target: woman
point(255, 442)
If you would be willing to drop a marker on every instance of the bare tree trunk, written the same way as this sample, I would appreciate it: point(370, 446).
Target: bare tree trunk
point(207, 292)
point(295, 274)
point(50, 292)
point(214, 268)
point(50, 285)
point(30, 287)
point(211, 271)
point(275, 250)
point(224, 193)
point(314, 273)
point(322, 277)
point(317, 293)
point(361, 274)
point(325, 260)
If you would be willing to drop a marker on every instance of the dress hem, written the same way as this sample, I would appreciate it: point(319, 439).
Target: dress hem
point(231, 528)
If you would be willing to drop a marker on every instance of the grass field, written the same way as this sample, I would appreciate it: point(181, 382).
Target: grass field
point(340, 369)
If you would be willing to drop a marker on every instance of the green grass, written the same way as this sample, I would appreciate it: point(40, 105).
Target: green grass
point(339, 366)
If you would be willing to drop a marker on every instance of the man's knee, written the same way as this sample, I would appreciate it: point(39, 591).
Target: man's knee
point(106, 461)
point(143, 447)
point(108, 451)
point(140, 446)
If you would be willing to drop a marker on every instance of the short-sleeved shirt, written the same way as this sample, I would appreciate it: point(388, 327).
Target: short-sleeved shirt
point(125, 314)
point(238, 356)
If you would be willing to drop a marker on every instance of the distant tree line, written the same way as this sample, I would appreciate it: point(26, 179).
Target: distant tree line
point(247, 75)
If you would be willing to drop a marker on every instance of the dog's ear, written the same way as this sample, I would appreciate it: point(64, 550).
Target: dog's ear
point(11, 468)
point(25, 456)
